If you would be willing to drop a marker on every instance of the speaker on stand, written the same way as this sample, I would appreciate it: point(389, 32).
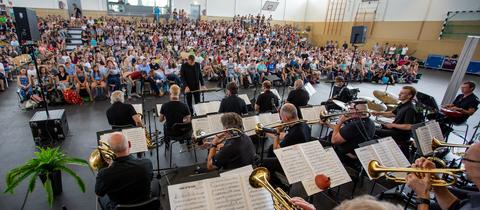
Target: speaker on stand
point(358, 36)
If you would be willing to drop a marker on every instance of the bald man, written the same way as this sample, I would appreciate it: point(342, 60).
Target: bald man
point(295, 134)
point(445, 199)
point(298, 97)
point(127, 179)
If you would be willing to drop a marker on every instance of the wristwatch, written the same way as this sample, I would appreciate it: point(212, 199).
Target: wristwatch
point(423, 201)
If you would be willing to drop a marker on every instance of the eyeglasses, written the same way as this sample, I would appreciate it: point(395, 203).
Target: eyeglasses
point(470, 160)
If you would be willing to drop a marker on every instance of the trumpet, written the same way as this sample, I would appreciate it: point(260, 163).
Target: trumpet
point(281, 201)
point(100, 157)
point(436, 144)
point(201, 134)
point(376, 170)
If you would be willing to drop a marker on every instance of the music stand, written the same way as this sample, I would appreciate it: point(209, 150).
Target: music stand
point(427, 101)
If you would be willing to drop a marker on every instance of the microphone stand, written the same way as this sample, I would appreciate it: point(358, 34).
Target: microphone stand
point(283, 92)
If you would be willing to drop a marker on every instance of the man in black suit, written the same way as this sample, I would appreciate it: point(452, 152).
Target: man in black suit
point(233, 103)
point(192, 79)
point(127, 180)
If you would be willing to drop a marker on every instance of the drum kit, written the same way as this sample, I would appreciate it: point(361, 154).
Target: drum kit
point(384, 101)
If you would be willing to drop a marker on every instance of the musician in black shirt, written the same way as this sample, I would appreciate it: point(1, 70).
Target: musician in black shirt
point(231, 150)
point(295, 134)
point(233, 103)
point(405, 116)
point(351, 130)
point(127, 180)
point(298, 97)
point(340, 92)
point(122, 115)
point(267, 101)
point(192, 79)
point(174, 112)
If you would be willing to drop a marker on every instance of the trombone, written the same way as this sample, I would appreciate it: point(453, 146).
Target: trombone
point(281, 201)
point(200, 134)
point(436, 144)
point(324, 115)
point(376, 170)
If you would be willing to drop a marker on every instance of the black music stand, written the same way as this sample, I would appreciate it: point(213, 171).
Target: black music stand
point(427, 102)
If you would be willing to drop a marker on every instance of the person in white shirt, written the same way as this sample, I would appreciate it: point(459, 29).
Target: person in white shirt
point(404, 51)
point(2, 77)
point(392, 49)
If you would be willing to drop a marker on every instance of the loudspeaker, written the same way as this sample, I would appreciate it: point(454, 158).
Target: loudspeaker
point(358, 35)
point(26, 24)
point(46, 129)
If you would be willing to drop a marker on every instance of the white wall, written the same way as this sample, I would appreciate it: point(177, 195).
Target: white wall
point(53, 4)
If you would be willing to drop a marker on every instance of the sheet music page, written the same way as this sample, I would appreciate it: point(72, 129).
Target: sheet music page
point(435, 130)
point(226, 193)
point(308, 113)
point(249, 124)
point(159, 107)
point(294, 164)
point(331, 166)
point(384, 154)
point(264, 118)
point(200, 109)
point(318, 110)
point(137, 138)
point(424, 138)
point(257, 198)
point(310, 89)
point(138, 108)
point(275, 118)
point(365, 155)
point(275, 91)
point(105, 137)
point(213, 107)
point(200, 124)
point(214, 122)
point(245, 98)
point(400, 158)
point(186, 196)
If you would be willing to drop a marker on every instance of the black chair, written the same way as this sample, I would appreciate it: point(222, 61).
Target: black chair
point(186, 135)
point(152, 204)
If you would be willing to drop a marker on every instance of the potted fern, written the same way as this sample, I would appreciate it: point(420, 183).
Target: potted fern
point(47, 165)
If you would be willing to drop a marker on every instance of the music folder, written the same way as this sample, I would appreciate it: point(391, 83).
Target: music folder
point(229, 191)
point(206, 108)
point(208, 124)
point(302, 162)
point(385, 151)
point(310, 89)
point(138, 108)
point(135, 135)
point(423, 134)
point(245, 98)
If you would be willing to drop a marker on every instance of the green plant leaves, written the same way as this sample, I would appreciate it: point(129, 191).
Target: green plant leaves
point(46, 161)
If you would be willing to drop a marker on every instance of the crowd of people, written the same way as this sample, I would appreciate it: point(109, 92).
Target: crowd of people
point(126, 53)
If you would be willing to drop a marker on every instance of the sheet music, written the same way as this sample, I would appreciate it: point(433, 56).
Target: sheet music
point(312, 113)
point(257, 198)
point(245, 98)
point(138, 108)
point(294, 164)
point(213, 107)
point(310, 89)
point(159, 107)
point(242, 170)
point(137, 139)
point(275, 91)
point(200, 124)
point(226, 193)
point(105, 137)
point(424, 139)
point(329, 164)
point(249, 124)
point(186, 196)
point(400, 158)
point(435, 130)
point(200, 109)
point(386, 152)
point(214, 122)
point(365, 155)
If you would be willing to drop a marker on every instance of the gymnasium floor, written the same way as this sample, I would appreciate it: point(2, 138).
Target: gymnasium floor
point(16, 143)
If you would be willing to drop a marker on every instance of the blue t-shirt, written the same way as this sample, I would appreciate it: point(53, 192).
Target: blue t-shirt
point(271, 67)
point(70, 69)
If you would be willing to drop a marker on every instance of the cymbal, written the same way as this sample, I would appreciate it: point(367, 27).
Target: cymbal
point(385, 97)
point(340, 104)
point(374, 104)
point(391, 107)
